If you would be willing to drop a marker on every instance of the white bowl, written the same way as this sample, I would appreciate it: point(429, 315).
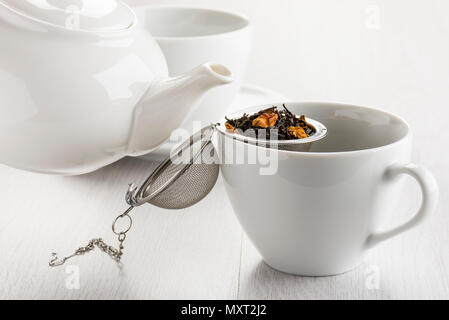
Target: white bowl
point(189, 36)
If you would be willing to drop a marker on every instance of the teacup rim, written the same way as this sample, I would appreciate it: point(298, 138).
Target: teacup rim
point(406, 136)
point(239, 15)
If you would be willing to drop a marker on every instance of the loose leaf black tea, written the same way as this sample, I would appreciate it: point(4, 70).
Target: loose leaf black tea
point(287, 125)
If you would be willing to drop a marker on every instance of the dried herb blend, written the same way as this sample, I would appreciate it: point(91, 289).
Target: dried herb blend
point(288, 126)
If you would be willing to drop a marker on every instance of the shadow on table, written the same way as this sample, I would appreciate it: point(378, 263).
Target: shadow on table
point(110, 182)
point(264, 282)
point(131, 168)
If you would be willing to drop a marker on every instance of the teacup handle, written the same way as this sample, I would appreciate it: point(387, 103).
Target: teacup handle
point(429, 201)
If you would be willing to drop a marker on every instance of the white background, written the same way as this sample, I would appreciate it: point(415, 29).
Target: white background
point(306, 48)
point(391, 54)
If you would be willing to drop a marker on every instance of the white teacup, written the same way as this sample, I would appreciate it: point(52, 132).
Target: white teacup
point(321, 210)
point(189, 36)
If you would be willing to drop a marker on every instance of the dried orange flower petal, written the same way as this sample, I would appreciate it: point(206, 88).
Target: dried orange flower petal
point(229, 126)
point(265, 120)
point(297, 132)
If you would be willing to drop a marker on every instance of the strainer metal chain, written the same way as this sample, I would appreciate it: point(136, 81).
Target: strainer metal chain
point(114, 253)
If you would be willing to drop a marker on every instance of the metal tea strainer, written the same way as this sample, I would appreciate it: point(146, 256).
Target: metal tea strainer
point(180, 181)
point(183, 179)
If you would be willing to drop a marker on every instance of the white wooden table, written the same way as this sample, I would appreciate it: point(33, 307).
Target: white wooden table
point(199, 252)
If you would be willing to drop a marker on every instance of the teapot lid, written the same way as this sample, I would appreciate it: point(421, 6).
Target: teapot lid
point(85, 15)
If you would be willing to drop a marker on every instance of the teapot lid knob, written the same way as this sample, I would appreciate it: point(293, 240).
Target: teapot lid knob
point(84, 15)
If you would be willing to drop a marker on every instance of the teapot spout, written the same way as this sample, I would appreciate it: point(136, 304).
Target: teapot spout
point(168, 101)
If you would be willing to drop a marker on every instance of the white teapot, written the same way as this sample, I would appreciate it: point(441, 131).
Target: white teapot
point(81, 86)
